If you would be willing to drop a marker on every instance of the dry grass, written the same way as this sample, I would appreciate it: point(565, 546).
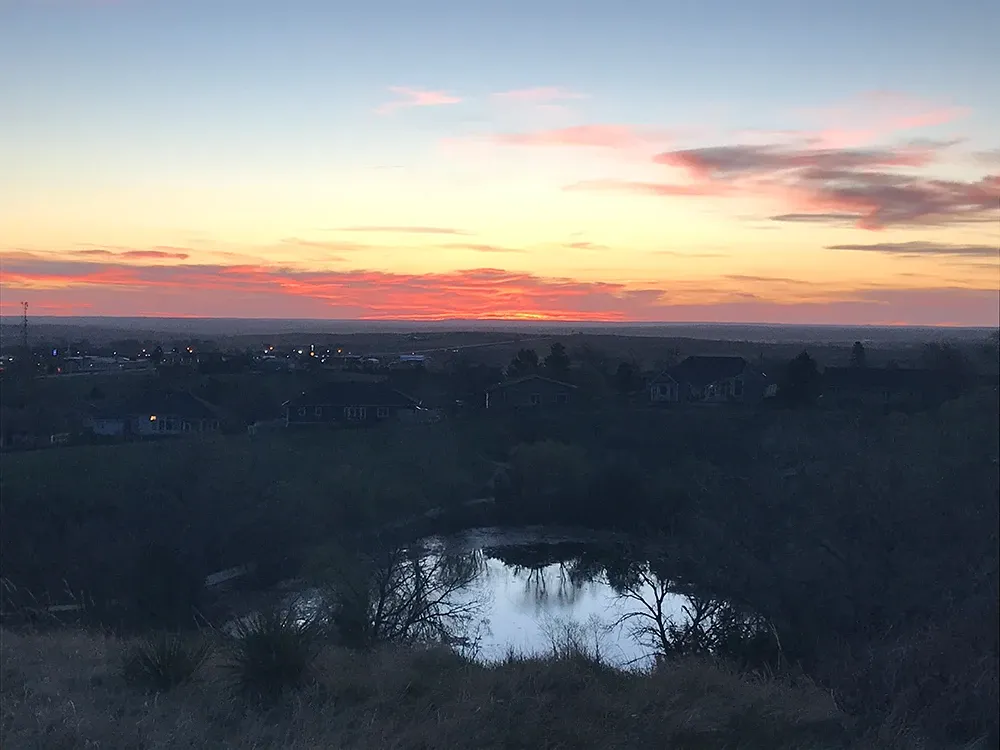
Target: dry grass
point(66, 690)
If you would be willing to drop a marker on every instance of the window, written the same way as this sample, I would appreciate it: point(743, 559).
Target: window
point(536, 399)
point(186, 426)
point(562, 398)
point(382, 412)
point(355, 412)
point(318, 411)
point(738, 387)
point(302, 411)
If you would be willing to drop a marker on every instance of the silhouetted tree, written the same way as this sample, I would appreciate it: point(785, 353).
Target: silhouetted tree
point(525, 362)
point(858, 355)
point(557, 362)
point(800, 383)
point(951, 364)
point(626, 377)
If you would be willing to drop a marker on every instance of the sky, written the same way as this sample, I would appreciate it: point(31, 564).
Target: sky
point(638, 160)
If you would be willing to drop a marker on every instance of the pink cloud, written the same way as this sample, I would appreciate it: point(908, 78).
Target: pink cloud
point(410, 97)
point(876, 114)
point(595, 136)
point(875, 188)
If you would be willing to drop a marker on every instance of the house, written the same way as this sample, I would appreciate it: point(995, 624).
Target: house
point(710, 380)
point(348, 402)
point(530, 392)
point(890, 387)
point(157, 415)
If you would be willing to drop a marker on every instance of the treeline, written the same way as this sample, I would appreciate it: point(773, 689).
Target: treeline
point(869, 546)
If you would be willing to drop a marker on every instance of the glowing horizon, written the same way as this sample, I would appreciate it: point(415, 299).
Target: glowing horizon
point(159, 166)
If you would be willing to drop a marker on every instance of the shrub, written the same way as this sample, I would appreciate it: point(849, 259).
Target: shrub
point(273, 650)
point(163, 661)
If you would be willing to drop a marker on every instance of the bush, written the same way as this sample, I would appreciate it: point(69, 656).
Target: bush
point(164, 661)
point(273, 651)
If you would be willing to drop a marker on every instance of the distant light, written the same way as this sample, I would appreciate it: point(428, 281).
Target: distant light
point(55, 352)
point(300, 351)
point(152, 417)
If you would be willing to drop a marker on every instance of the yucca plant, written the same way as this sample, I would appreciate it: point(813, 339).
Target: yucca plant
point(272, 651)
point(164, 660)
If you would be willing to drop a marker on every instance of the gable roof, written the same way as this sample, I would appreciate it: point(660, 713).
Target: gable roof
point(702, 371)
point(173, 403)
point(352, 393)
point(528, 378)
point(879, 377)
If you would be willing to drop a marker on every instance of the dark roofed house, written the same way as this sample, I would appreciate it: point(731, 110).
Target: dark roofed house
point(157, 414)
point(891, 387)
point(709, 380)
point(348, 402)
point(529, 392)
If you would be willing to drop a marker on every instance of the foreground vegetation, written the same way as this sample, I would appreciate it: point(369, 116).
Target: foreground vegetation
point(863, 546)
point(68, 689)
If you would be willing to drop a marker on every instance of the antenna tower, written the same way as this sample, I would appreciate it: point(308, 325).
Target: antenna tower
point(24, 327)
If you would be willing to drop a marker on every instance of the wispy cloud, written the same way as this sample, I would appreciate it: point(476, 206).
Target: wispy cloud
point(411, 97)
point(593, 136)
point(482, 248)
point(921, 249)
point(870, 116)
point(152, 254)
point(402, 230)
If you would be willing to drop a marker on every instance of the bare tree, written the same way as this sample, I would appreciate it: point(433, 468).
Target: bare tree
point(708, 625)
point(403, 595)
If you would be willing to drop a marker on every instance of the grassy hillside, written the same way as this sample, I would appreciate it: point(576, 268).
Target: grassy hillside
point(66, 690)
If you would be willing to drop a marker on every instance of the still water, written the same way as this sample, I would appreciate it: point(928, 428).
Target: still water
point(539, 588)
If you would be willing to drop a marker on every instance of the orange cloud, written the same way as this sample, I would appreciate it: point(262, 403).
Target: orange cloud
point(153, 254)
point(484, 293)
point(410, 97)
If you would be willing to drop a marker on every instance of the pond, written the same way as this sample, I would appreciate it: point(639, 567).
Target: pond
point(530, 591)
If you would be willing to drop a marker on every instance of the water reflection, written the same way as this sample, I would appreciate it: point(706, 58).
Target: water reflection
point(530, 597)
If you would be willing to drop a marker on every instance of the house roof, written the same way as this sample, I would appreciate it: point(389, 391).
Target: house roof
point(168, 403)
point(352, 393)
point(702, 371)
point(175, 403)
point(528, 378)
point(879, 377)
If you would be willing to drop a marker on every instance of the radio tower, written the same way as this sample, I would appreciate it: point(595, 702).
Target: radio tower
point(24, 327)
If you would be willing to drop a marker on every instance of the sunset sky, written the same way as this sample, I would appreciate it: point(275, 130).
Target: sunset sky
point(644, 160)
